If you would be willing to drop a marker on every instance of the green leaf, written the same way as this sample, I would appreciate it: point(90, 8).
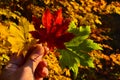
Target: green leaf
point(71, 58)
point(88, 45)
point(74, 68)
point(81, 56)
point(74, 42)
point(78, 49)
point(73, 28)
point(81, 33)
point(67, 59)
point(84, 32)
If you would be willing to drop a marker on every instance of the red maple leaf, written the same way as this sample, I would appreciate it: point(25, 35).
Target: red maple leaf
point(54, 32)
point(36, 22)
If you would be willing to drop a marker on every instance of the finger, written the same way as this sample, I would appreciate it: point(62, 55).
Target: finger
point(46, 50)
point(18, 60)
point(14, 63)
point(44, 73)
point(35, 56)
point(39, 79)
point(41, 70)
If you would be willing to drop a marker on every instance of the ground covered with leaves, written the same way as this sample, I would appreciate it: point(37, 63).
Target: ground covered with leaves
point(101, 15)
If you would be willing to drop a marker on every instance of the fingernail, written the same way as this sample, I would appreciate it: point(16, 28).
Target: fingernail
point(38, 52)
point(39, 49)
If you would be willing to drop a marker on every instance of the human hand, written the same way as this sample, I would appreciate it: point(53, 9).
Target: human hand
point(20, 68)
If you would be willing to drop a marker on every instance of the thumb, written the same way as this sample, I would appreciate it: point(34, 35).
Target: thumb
point(36, 53)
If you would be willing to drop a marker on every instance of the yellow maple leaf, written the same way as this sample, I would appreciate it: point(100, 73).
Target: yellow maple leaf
point(20, 38)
